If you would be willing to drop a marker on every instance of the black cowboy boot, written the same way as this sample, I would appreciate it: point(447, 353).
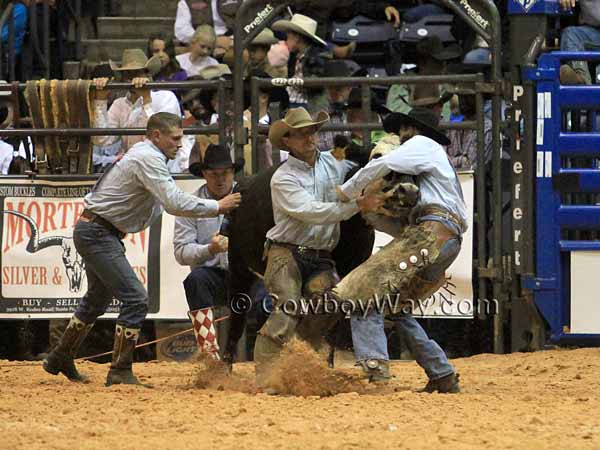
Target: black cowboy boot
point(61, 359)
point(445, 385)
point(120, 369)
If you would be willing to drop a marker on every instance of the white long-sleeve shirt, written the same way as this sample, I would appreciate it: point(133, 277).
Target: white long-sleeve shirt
point(124, 114)
point(184, 30)
point(421, 156)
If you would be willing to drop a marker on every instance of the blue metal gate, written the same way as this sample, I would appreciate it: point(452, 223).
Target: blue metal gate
point(567, 192)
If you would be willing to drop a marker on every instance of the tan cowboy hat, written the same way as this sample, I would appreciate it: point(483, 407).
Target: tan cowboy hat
point(300, 24)
point(216, 71)
point(265, 37)
point(295, 119)
point(136, 59)
point(428, 95)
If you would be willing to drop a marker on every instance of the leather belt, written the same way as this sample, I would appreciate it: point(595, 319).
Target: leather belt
point(305, 251)
point(443, 213)
point(89, 216)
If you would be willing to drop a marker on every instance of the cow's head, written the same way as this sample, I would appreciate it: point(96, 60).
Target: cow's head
point(405, 191)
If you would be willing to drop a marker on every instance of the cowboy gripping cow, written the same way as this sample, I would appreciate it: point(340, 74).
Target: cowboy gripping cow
point(130, 195)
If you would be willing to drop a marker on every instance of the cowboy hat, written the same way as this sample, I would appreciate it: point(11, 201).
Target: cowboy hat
point(433, 46)
point(265, 37)
point(428, 95)
point(424, 119)
point(378, 96)
point(300, 24)
point(136, 59)
point(215, 71)
point(215, 157)
point(295, 119)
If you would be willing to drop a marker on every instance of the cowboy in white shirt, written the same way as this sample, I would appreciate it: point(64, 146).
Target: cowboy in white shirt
point(133, 110)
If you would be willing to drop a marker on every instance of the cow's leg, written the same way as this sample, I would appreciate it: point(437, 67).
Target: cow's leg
point(283, 280)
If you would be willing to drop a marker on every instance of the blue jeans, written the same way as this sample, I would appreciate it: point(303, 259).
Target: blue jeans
point(579, 39)
point(368, 334)
point(206, 287)
point(109, 275)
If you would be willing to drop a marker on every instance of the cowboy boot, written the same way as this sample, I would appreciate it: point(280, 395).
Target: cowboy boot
point(377, 370)
point(120, 369)
point(61, 359)
point(445, 385)
point(205, 332)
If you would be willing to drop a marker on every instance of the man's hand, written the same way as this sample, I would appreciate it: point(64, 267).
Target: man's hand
point(392, 14)
point(140, 89)
point(218, 244)
point(371, 202)
point(339, 153)
point(568, 4)
point(100, 84)
point(229, 202)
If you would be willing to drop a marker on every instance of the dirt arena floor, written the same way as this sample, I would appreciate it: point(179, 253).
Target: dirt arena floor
point(538, 400)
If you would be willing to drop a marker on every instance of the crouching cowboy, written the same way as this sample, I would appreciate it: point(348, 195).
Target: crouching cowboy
point(130, 195)
point(412, 267)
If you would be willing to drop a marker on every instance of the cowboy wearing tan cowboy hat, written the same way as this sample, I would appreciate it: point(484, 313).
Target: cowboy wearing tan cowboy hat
point(306, 230)
point(307, 59)
point(138, 105)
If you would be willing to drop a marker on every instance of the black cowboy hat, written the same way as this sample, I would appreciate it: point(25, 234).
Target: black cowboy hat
point(215, 157)
point(433, 46)
point(378, 99)
point(424, 119)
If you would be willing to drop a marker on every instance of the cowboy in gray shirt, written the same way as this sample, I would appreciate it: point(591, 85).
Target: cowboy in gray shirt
point(307, 216)
point(199, 244)
point(129, 196)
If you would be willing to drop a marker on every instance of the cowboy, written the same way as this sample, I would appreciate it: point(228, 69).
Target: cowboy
point(130, 195)
point(306, 230)
point(197, 242)
point(306, 60)
point(134, 109)
point(258, 51)
point(439, 220)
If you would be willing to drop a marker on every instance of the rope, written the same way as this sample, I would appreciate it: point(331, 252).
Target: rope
point(145, 344)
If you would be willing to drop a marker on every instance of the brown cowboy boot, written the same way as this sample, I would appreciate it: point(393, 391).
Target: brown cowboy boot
point(571, 76)
point(120, 369)
point(445, 385)
point(377, 370)
point(61, 359)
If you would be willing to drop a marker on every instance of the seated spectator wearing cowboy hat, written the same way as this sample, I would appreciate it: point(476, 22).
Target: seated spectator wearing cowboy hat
point(431, 96)
point(134, 109)
point(440, 209)
point(258, 52)
point(306, 230)
point(307, 59)
point(201, 47)
point(197, 242)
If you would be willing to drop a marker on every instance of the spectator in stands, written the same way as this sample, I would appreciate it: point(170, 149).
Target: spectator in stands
point(201, 47)
point(581, 38)
point(159, 45)
point(193, 13)
point(134, 109)
point(20, 17)
point(197, 242)
point(11, 150)
point(430, 96)
point(258, 52)
point(463, 143)
point(306, 60)
point(337, 97)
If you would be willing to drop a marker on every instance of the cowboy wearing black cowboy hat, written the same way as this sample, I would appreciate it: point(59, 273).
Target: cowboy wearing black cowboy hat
point(438, 221)
point(198, 242)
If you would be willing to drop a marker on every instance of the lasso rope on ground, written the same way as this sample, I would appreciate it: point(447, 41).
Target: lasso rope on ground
point(145, 344)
